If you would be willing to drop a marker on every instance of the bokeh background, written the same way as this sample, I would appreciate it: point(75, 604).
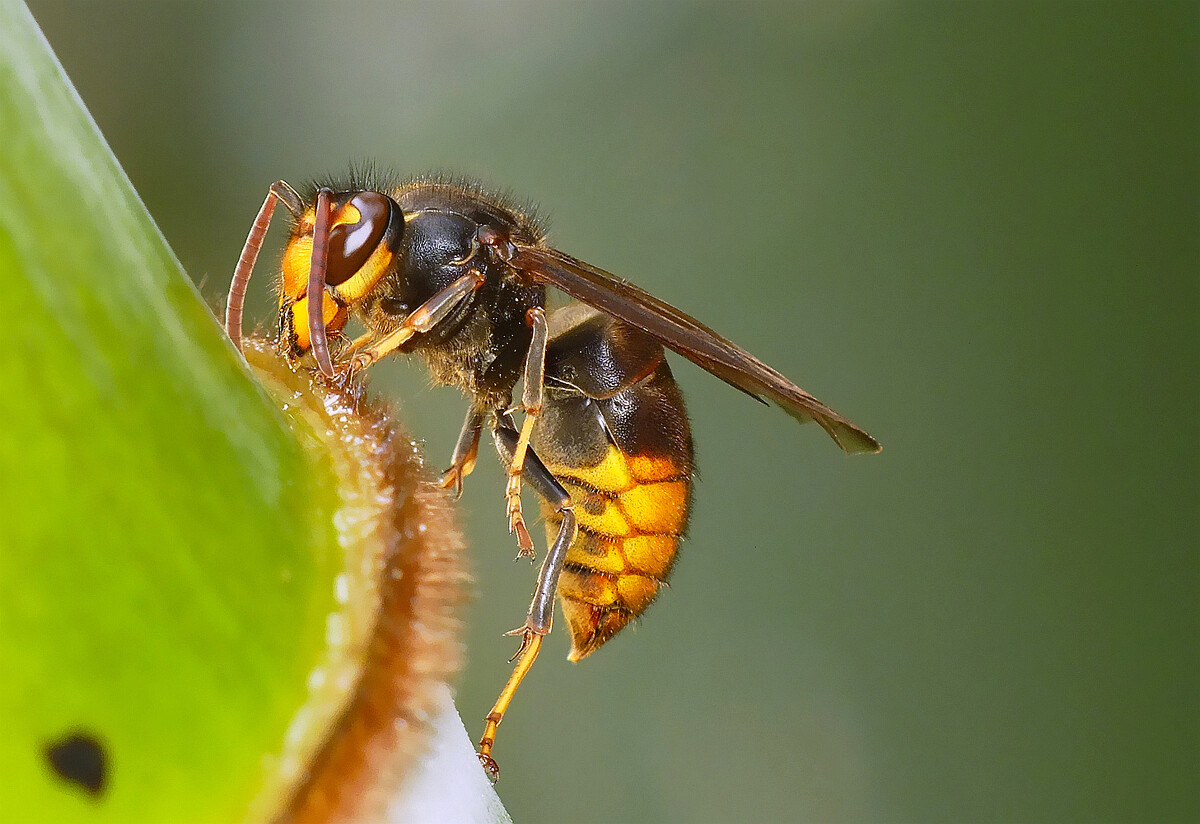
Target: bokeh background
point(974, 228)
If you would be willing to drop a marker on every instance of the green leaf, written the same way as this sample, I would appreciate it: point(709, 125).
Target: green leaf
point(184, 632)
point(137, 465)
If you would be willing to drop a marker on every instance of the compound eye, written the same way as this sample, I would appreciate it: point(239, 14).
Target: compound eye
point(359, 226)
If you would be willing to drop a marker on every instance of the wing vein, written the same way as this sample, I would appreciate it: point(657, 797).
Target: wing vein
point(687, 336)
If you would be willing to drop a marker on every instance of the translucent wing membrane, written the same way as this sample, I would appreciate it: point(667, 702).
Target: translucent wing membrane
point(687, 336)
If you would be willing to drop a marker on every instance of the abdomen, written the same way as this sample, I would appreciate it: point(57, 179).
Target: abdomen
point(615, 433)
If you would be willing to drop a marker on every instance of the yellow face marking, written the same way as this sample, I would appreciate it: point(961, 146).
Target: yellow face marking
point(365, 279)
point(335, 319)
point(659, 509)
point(297, 261)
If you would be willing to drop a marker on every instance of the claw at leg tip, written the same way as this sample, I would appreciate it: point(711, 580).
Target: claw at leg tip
point(490, 767)
point(524, 541)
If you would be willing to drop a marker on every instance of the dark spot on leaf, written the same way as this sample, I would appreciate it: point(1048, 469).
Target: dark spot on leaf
point(80, 758)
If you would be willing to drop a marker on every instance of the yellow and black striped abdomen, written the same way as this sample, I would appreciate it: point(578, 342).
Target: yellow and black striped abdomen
point(615, 434)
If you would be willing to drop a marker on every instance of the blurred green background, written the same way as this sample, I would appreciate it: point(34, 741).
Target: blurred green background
point(972, 228)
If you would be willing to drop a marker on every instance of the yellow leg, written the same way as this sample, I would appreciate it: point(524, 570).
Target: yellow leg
point(358, 343)
point(539, 619)
point(512, 492)
point(531, 644)
point(423, 318)
point(367, 355)
point(532, 395)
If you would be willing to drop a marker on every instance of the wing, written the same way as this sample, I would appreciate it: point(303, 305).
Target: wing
point(687, 336)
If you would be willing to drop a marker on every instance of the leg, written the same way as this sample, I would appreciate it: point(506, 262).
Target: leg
point(465, 452)
point(426, 316)
point(358, 343)
point(532, 395)
point(541, 609)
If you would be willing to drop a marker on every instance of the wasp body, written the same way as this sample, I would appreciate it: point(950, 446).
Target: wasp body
point(445, 271)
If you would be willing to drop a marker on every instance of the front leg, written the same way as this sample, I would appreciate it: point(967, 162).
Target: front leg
point(369, 349)
point(532, 396)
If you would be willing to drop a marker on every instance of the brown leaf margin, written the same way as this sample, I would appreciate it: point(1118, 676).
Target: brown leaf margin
point(395, 641)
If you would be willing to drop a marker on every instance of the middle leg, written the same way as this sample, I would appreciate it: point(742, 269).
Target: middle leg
point(533, 392)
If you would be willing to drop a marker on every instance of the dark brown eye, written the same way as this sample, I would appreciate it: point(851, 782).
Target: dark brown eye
point(366, 217)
